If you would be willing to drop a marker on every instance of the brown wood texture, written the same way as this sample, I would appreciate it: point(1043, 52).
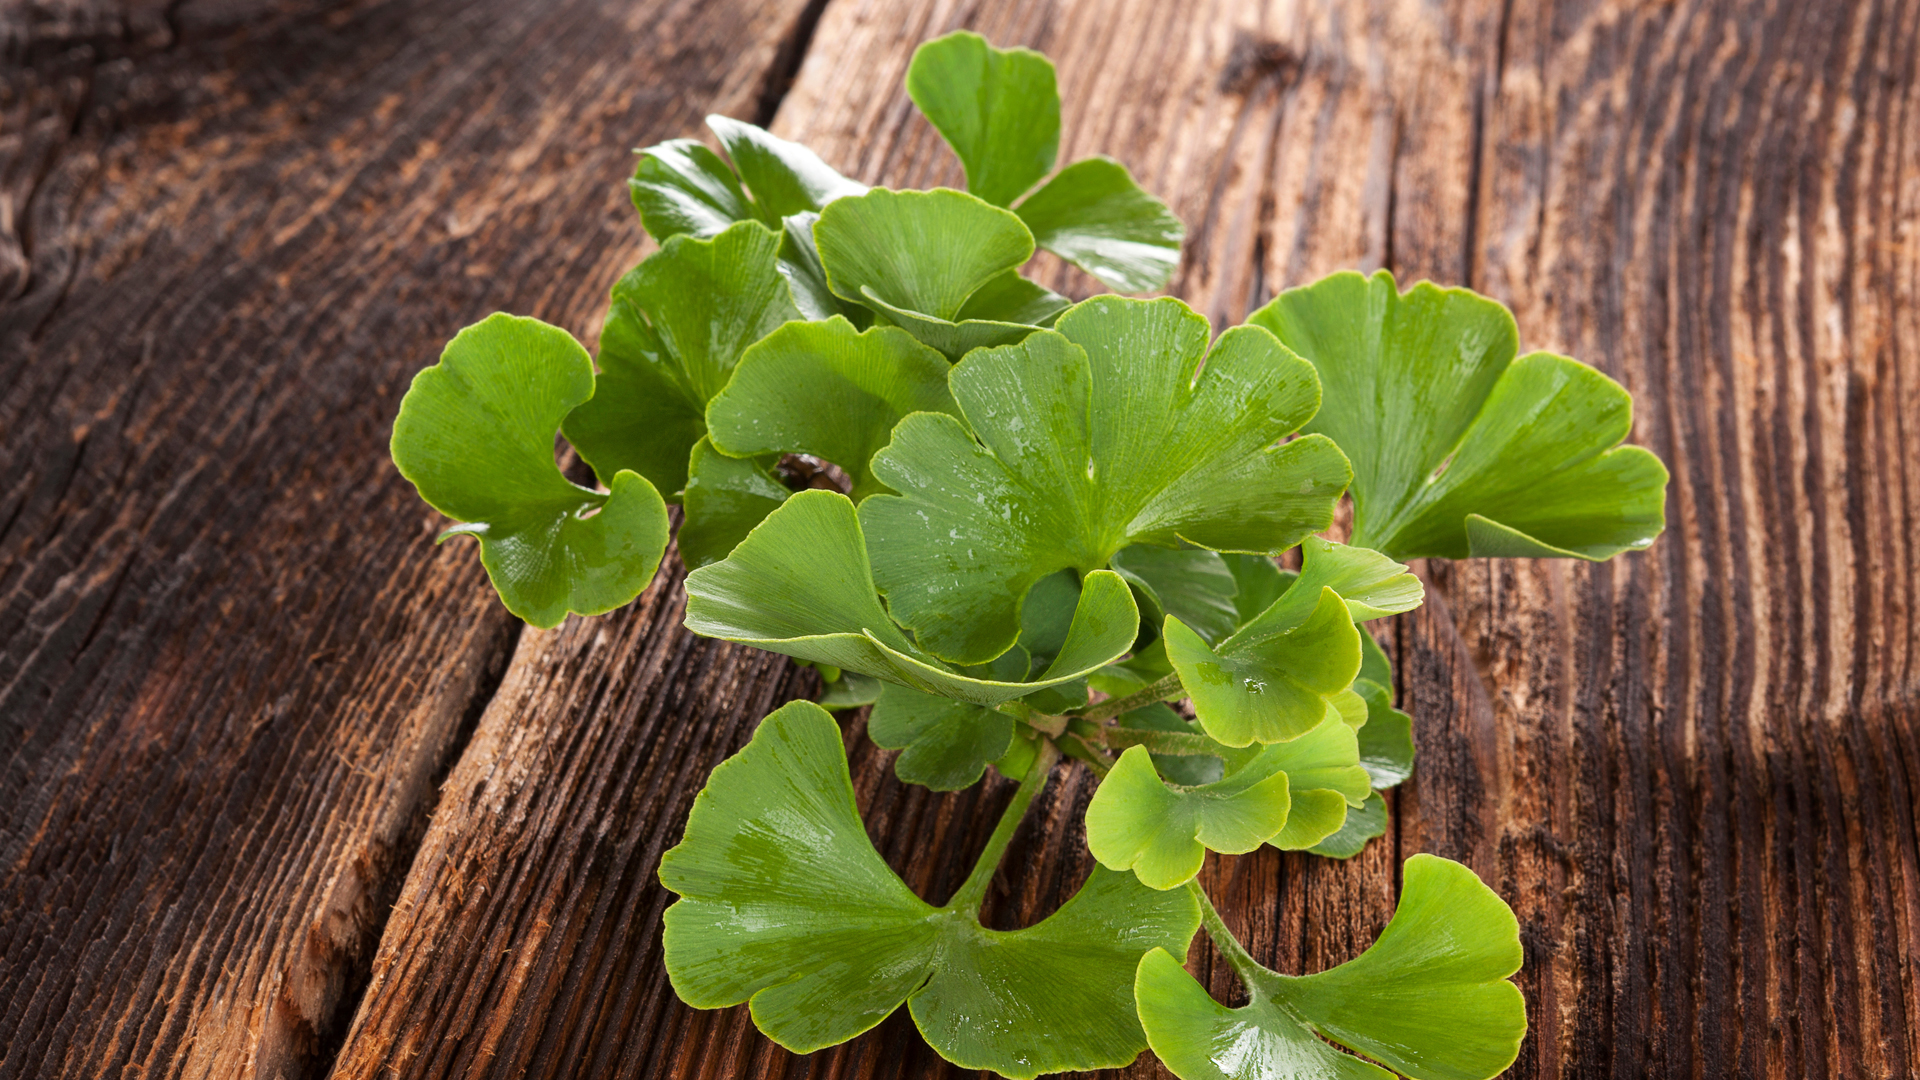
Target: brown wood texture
point(233, 230)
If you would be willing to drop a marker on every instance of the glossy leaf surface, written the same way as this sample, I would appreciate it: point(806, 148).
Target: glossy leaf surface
point(1323, 767)
point(1386, 742)
point(1091, 437)
point(800, 584)
point(725, 498)
point(475, 436)
point(1269, 686)
point(784, 177)
point(826, 389)
point(1430, 999)
point(1373, 586)
point(786, 905)
point(677, 325)
point(999, 109)
point(1093, 215)
point(682, 188)
point(1192, 584)
point(1136, 822)
point(1458, 448)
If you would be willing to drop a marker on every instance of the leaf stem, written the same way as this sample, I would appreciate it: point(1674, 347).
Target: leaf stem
point(1243, 964)
point(973, 891)
point(1179, 743)
point(1077, 747)
point(1159, 691)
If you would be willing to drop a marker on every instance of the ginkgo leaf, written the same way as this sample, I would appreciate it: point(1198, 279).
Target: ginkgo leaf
point(1191, 770)
point(800, 264)
point(1093, 215)
point(1090, 437)
point(682, 188)
point(475, 436)
point(1258, 582)
point(1136, 822)
point(1193, 584)
point(786, 905)
point(1386, 742)
point(800, 584)
point(1374, 666)
point(1010, 298)
point(1269, 686)
point(850, 691)
point(999, 109)
point(784, 177)
point(677, 325)
point(725, 498)
point(1373, 586)
point(826, 389)
point(1430, 998)
point(1362, 824)
point(1458, 448)
point(945, 745)
point(919, 257)
point(1327, 780)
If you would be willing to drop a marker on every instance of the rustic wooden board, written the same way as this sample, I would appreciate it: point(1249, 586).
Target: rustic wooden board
point(1688, 770)
point(232, 664)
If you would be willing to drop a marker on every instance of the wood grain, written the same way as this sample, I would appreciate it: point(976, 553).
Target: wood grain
point(232, 664)
point(1690, 771)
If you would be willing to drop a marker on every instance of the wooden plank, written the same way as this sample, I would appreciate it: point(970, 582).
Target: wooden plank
point(232, 665)
point(1704, 807)
point(1281, 138)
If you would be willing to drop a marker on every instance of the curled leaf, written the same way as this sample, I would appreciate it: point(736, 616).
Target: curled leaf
point(1323, 767)
point(1079, 441)
point(945, 745)
point(1193, 584)
point(475, 436)
point(1386, 742)
point(682, 188)
point(1093, 215)
point(1269, 686)
point(1430, 999)
point(725, 498)
point(800, 584)
point(1136, 822)
point(677, 325)
point(1458, 448)
point(784, 177)
point(786, 905)
point(1362, 824)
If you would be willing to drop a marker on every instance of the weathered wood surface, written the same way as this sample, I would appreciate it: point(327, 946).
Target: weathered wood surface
point(232, 671)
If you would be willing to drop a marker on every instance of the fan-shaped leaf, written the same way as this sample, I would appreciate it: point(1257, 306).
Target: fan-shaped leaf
point(1430, 999)
point(678, 323)
point(682, 188)
point(1258, 582)
point(1193, 584)
point(998, 108)
point(1458, 448)
point(826, 389)
point(784, 177)
point(945, 745)
point(725, 498)
point(1323, 767)
point(1373, 586)
point(1094, 216)
point(800, 584)
point(475, 436)
point(1092, 437)
point(1386, 742)
point(786, 904)
point(1269, 686)
point(1137, 823)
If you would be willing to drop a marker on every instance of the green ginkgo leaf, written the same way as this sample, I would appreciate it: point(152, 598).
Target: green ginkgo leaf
point(1374, 665)
point(1193, 584)
point(1362, 824)
point(1430, 999)
point(1136, 822)
point(1258, 582)
point(801, 584)
point(784, 177)
point(1327, 780)
point(1190, 770)
point(724, 499)
point(826, 389)
point(920, 257)
point(677, 325)
point(945, 744)
point(851, 691)
point(1458, 448)
point(998, 108)
point(786, 905)
point(1386, 742)
point(475, 436)
point(1373, 586)
point(682, 188)
point(1093, 215)
point(1080, 441)
point(1269, 686)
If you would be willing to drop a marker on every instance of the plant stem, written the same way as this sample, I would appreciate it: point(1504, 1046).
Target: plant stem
point(1159, 691)
point(973, 891)
point(1077, 747)
point(1243, 964)
point(1180, 743)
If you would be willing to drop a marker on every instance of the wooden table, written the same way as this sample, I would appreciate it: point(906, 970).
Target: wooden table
point(285, 793)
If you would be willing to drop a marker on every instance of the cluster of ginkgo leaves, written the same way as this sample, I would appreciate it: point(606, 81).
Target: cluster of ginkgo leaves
point(1056, 523)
